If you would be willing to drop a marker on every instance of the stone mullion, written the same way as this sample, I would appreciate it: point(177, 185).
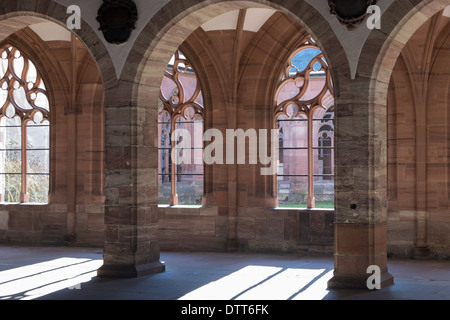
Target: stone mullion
point(173, 173)
point(311, 202)
point(24, 196)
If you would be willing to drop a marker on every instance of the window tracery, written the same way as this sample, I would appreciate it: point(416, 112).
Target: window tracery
point(24, 129)
point(304, 108)
point(180, 108)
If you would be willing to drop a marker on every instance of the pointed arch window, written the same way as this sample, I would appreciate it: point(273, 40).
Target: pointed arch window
point(304, 112)
point(180, 133)
point(24, 130)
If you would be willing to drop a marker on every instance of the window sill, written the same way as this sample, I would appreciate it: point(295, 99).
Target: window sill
point(23, 204)
point(188, 210)
point(180, 206)
point(303, 209)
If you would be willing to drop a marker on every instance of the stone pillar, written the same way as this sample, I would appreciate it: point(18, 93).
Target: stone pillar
point(131, 223)
point(361, 188)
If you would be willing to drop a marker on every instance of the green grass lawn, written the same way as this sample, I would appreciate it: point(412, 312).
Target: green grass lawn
point(319, 205)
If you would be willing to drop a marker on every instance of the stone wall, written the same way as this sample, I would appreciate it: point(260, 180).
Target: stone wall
point(244, 67)
point(418, 126)
point(47, 225)
point(75, 213)
point(258, 230)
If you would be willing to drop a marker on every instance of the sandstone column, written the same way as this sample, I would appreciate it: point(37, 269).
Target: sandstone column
point(361, 198)
point(131, 224)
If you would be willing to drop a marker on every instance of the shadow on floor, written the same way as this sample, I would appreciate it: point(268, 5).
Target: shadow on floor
point(66, 273)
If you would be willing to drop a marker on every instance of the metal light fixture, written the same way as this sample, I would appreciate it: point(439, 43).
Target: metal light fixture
point(117, 20)
point(350, 13)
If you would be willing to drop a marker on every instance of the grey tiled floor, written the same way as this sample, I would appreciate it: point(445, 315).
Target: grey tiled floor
point(66, 273)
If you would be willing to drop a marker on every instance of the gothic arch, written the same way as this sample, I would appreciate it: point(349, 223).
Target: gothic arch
point(140, 81)
point(383, 47)
point(178, 19)
point(419, 67)
point(168, 29)
point(378, 58)
point(15, 19)
point(362, 212)
point(20, 14)
point(52, 73)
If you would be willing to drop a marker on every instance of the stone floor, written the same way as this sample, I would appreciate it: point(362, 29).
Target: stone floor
point(66, 273)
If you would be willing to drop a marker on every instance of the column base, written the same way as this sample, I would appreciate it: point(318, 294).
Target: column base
point(421, 253)
point(69, 239)
point(348, 282)
point(232, 245)
point(130, 271)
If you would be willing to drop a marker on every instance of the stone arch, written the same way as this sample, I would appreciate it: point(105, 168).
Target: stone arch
point(132, 246)
point(383, 47)
point(56, 84)
point(15, 18)
point(167, 30)
point(178, 19)
point(394, 62)
point(378, 58)
point(20, 14)
point(360, 226)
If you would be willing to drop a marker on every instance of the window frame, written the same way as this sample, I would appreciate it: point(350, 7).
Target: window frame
point(299, 106)
point(178, 105)
point(27, 114)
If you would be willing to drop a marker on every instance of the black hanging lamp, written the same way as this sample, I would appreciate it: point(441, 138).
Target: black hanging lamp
point(350, 12)
point(117, 20)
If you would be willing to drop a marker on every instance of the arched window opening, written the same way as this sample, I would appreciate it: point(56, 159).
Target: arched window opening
point(180, 127)
point(325, 149)
point(280, 147)
point(304, 112)
point(24, 130)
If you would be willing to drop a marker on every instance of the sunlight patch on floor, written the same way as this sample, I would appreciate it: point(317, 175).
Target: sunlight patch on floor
point(36, 280)
point(266, 283)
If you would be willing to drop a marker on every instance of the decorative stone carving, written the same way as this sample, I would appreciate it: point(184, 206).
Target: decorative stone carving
point(117, 20)
point(350, 13)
